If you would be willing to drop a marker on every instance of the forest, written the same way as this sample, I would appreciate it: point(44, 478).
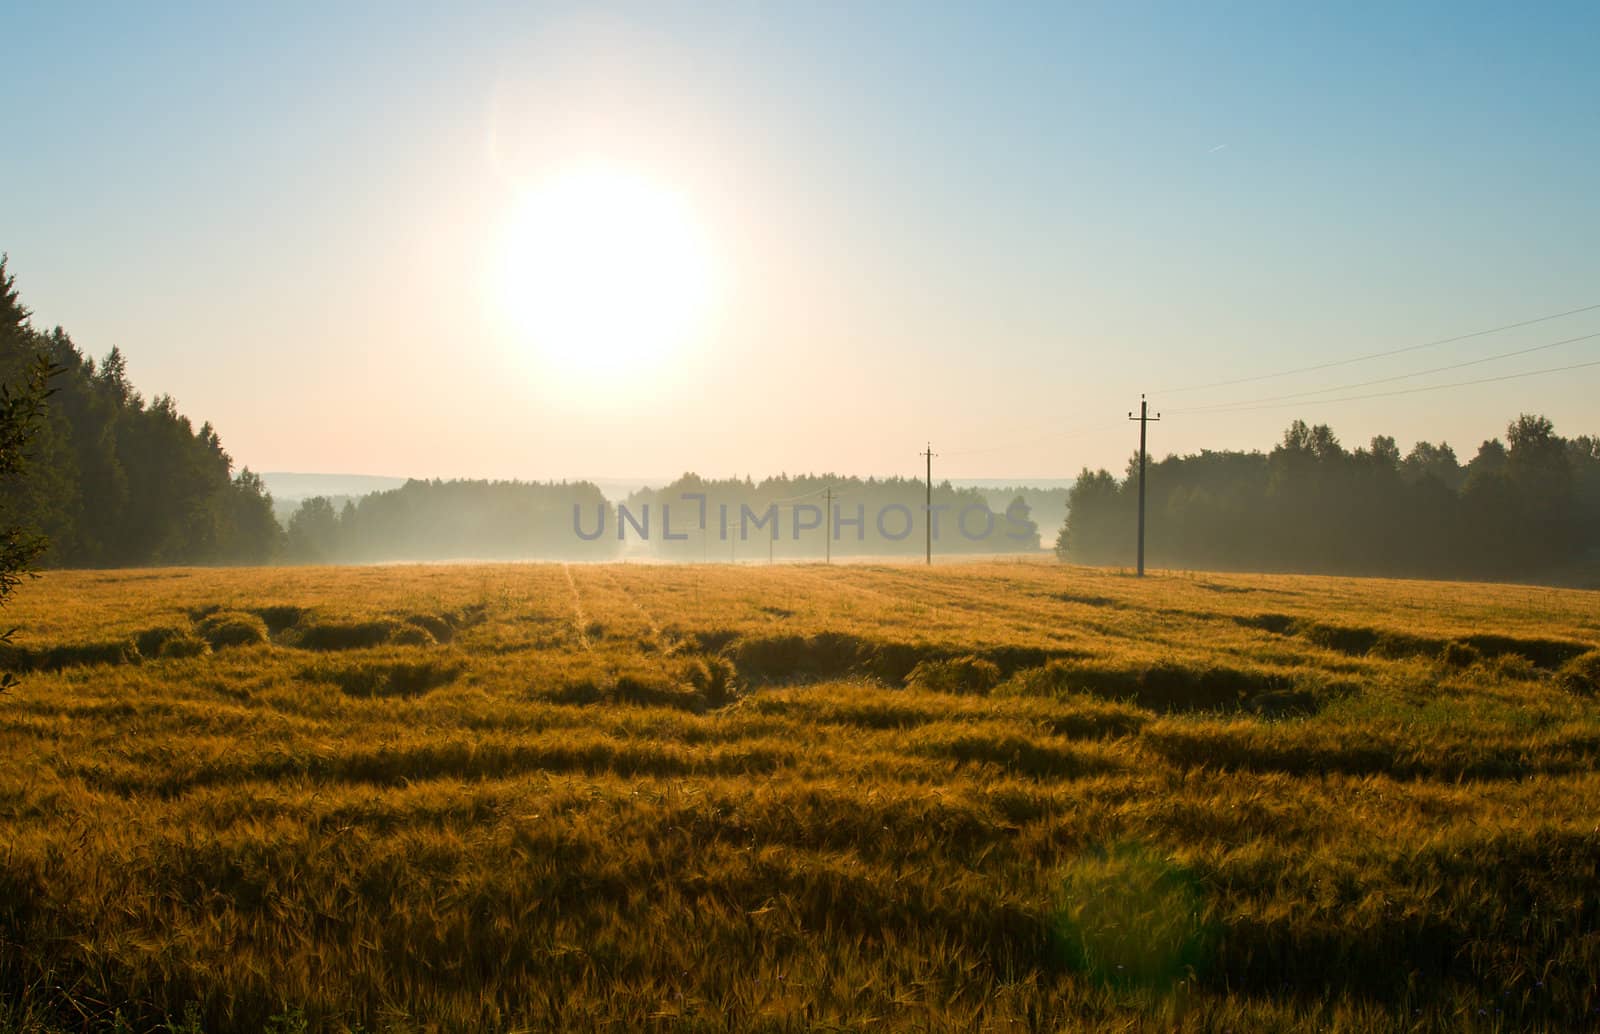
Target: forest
point(450, 520)
point(1527, 508)
point(113, 480)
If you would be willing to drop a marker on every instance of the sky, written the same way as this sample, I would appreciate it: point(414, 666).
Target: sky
point(988, 227)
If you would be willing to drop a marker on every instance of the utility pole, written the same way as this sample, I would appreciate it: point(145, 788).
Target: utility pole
point(928, 455)
point(1144, 419)
point(827, 529)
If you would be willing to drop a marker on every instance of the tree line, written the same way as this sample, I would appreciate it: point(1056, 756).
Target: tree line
point(451, 520)
point(112, 480)
point(792, 518)
point(1527, 507)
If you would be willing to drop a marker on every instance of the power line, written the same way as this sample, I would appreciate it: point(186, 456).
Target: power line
point(1053, 436)
point(803, 495)
point(1429, 387)
point(1244, 405)
point(1248, 403)
point(1382, 355)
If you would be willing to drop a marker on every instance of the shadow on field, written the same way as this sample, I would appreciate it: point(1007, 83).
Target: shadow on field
point(728, 666)
point(703, 670)
point(792, 659)
point(1360, 641)
point(1170, 687)
point(206, 629)
point(387, 678)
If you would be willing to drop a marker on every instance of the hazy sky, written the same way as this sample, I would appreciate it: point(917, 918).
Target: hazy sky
point(991, 226)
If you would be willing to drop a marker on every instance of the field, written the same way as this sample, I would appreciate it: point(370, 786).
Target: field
point(972, 797)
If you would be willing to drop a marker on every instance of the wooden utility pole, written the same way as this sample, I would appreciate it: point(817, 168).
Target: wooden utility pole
point(827, 529)
point(928, 455)
point(1144, 419)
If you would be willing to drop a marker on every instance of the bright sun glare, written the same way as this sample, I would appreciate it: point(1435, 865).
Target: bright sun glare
point(605, 272)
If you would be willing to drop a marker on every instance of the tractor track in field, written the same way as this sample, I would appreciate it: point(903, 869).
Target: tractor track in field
point(580, 621)
point(649, 617)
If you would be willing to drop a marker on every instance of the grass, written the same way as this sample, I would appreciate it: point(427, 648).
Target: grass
point(976, 797)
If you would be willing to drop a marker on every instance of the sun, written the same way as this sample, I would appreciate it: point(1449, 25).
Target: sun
point(604, 272)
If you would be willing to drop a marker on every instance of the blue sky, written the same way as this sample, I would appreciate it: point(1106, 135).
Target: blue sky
point(992, 228)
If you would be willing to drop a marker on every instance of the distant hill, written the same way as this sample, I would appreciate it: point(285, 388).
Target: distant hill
point(289, 487)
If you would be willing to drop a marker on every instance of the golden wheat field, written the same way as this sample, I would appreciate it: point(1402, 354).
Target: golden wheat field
point(966, 798)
